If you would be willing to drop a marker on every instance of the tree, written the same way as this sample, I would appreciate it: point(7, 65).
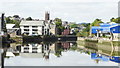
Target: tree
point(16, 16)
point(59, 27)
point(83, 34)
point(116, 20)
point(96, 22)
point(58, 20)
point(73, 25)
point(8, 20)
point(29, 19)
point(57, 23)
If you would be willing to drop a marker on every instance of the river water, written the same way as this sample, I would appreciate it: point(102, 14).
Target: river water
point(66, 53)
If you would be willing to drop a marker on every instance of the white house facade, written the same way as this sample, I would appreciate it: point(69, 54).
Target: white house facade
point(33, 27)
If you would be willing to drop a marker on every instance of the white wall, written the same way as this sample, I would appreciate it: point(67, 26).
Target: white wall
point(30, 30)
point(39, 49)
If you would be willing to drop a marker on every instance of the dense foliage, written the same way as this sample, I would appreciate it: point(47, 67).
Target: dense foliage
point(96, 22)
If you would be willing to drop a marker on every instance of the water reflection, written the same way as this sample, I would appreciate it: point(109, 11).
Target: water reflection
point(107, 52)
point(103, 52)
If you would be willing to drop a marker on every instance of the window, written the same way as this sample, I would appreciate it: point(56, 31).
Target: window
point(34, 26)
point(26, 29)
point(34, 29)
point(34, 48)
point(27, 33)
point(34, 51)
point(26, 51)
point(26, 48)
point(26, 26)
point(33, 33)
point(43, 27)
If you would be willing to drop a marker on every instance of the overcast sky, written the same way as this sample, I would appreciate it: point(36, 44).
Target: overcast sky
point(68, 10)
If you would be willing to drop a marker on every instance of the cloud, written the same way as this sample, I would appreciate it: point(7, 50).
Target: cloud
point(72, 10)
point(59, 0)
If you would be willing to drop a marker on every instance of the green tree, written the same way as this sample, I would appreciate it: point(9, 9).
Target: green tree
point(29, 19)
point(9, 21)
point(58, 23)
point(16, 16)
point(118, 20)
point(73, 26)
point(58, 20)
point(114, 20)
point(96, 22)
point(83, 34)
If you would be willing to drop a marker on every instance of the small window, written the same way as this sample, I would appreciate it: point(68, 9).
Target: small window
point(34, 29)
point(26, 26)
point(27, 33)
point(26, 48)
point(34, 51)
point(26, 29)
point(26, 51)
point(33, 33)
point(34, 48)
point(34, 26)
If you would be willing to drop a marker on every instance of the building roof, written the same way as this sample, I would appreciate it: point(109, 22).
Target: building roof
point(10, 26)
point(105, 27)
point(102, 57)
point(115, 59)
point(32, 23)
point(9, 54)
point(31, 55)
point(108, 24)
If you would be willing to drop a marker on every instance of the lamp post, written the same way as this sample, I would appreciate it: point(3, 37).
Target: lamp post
point(98, 34)
point(111, 33)
point(90, 30)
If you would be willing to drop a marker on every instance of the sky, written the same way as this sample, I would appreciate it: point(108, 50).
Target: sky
point(68, 10)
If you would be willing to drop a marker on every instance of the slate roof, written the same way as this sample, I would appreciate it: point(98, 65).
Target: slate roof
point(32, 23)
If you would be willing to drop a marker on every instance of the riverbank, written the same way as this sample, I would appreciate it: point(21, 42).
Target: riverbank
point(94, 39)
point(44, 38)
point(106, 48)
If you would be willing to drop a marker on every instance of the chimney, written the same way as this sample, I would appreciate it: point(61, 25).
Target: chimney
point(47, 16)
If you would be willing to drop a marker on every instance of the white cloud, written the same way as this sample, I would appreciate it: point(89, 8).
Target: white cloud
point(79, 10)
point(59, 0)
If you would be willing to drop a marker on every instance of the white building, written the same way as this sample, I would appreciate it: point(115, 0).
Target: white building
point(34, 28)
point(31, 48)
point(13, 32)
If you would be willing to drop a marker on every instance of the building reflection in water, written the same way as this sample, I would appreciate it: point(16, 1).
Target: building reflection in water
point(63, 46)
point(38, 50)
point(34, 50)
point(43, 50)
